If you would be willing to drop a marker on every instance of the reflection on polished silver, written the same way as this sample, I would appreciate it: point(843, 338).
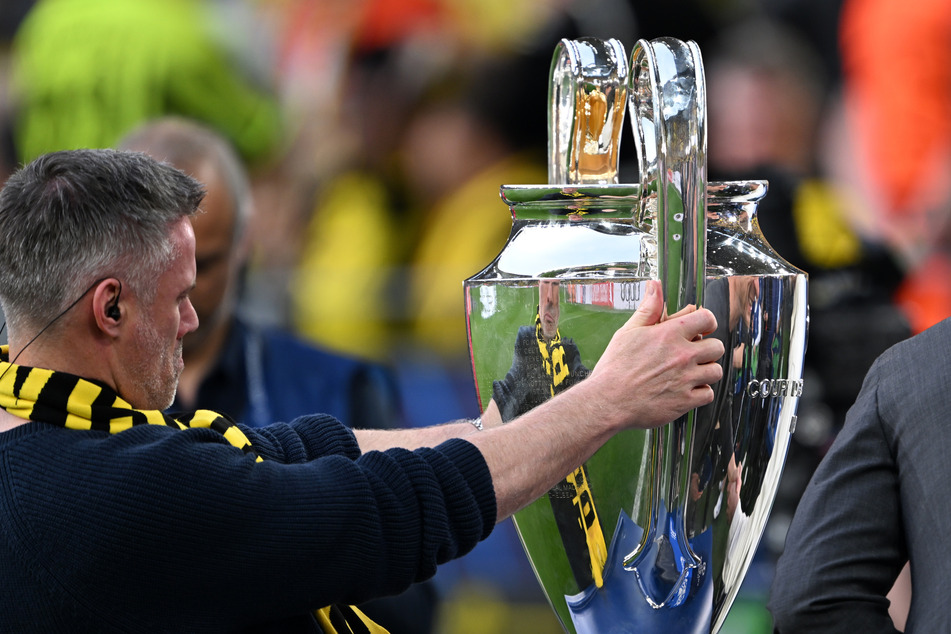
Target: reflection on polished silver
point(774, 387)
point(656, 531)
point(587, 97)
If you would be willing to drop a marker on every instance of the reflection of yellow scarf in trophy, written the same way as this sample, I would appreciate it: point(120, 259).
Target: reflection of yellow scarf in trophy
point(553, 357)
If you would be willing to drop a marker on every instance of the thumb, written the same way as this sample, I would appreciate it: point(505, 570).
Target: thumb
point(651, 308)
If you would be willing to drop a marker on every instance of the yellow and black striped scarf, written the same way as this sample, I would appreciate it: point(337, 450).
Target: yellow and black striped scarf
point(557, 370)
point(63, 399)
point(553, 355)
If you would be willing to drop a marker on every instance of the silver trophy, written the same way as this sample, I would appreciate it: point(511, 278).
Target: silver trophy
point(656, 531)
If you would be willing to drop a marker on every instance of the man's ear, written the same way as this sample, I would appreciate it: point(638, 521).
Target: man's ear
point(106, 306)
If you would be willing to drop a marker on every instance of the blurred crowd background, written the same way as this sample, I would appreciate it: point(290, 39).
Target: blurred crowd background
point(377, 133)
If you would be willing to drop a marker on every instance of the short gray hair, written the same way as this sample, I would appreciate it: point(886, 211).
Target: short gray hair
point(72, 217)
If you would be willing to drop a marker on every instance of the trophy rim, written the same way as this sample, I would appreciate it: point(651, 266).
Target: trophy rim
point(609, 195)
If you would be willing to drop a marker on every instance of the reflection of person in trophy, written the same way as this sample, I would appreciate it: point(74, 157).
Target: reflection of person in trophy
point(543, 365)
point(715, 463)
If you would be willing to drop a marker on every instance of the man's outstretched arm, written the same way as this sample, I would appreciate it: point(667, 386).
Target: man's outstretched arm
point(651, 373)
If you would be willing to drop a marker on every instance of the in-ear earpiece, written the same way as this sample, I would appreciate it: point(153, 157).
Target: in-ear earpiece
point(113, 312)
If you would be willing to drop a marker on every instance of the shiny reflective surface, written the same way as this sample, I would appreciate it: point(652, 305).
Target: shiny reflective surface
point(734, 450)
point(656, 531)
point(587, 97)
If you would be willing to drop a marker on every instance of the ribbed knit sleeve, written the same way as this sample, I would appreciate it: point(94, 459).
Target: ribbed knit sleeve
point(155, 529)
point(305, 438)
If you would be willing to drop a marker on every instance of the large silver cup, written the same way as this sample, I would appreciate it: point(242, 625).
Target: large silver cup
point(657, 530)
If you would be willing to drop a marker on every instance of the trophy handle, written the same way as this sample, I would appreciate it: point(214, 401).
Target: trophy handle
point(587, 99)
point(668, 114)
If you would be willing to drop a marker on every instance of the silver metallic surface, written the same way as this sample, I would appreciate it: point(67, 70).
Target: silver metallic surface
point(587, 97)
point(656, 531)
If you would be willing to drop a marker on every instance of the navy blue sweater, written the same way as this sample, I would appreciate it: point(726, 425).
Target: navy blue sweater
point(160, 530)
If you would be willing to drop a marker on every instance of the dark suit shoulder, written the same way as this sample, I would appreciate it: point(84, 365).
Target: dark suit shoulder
point(913, 374)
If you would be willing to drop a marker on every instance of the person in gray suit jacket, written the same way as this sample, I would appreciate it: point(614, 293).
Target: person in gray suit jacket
point(879, 499)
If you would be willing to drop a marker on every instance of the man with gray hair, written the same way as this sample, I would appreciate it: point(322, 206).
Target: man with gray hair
point(116, 517)
point(254, 374)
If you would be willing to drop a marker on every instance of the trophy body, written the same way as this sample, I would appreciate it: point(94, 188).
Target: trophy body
point(658, 528)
